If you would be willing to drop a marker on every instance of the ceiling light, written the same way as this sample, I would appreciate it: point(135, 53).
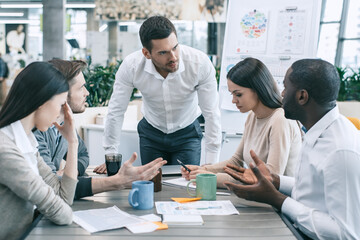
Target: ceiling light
point(126, 23)
point(15, 21)
point(23, 5)
point(80, 5)
point(103, 27)
point(11, 14)
point(40, 5)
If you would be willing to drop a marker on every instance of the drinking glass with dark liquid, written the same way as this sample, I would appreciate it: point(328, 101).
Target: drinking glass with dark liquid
point(113, 163)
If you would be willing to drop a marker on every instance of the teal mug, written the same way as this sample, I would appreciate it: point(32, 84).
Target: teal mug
point(205, 186)
point(141, 195)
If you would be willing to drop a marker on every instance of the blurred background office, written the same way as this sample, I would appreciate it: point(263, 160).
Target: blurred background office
point(104, 32)
point(107, 30)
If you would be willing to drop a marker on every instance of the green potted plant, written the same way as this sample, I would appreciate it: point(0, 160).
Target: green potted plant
point(349, 84)
point(349, 93)
point(99, 83)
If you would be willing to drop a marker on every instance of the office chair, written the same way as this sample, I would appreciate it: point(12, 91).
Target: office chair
point(355, 121)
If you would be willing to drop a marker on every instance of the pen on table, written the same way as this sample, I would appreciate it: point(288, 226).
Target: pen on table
point(182, 164)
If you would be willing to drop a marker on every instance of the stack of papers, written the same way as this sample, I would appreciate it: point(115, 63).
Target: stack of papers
point(96, 220)
point(182, 219)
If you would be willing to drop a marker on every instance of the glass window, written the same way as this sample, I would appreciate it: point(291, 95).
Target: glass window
point(328, 42)
point(35, 35)
point(353, 20)
point(192, 33)
point(200, 35)
point(351, 54)
point(77, 26)
point(333, 10)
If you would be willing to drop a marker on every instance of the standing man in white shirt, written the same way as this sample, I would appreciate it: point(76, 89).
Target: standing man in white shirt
point(323, 200)
point(174, 81)
point(15, 40)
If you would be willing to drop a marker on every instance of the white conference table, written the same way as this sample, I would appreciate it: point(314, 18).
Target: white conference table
point(256, 221)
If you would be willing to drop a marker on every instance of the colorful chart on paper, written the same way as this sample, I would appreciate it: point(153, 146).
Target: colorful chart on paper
point(252, 31)
point(254, 24)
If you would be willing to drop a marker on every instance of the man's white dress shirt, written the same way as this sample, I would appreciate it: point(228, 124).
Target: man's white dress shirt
point(325, 194)
point(15, 40)
point(171, 103)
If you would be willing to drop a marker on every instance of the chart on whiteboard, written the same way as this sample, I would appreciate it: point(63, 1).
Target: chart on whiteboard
point(252, 36)
point(277, 34)
point(290, 32)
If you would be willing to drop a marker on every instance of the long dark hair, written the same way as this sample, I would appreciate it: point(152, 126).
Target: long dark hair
point(35, 84)
point(252, 73)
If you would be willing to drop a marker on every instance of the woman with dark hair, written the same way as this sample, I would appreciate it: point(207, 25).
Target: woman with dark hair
point(36, 97)
point(274, 138)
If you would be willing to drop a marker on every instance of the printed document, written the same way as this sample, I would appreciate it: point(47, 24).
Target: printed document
point(196, 208)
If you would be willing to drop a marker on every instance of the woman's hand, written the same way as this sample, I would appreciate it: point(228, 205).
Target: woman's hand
point(194, 171)
point(67, 129)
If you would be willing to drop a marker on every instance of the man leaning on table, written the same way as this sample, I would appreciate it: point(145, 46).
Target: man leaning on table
point(323, 200)
point(175, 80)
point(53, 147)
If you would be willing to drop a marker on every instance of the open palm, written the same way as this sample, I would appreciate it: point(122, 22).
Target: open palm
point(247, 176)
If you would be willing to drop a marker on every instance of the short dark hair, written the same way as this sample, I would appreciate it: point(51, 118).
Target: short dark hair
point(252, 73)
point(156, 27)
point(70, 69)
point(35, 84)
point(318, 77)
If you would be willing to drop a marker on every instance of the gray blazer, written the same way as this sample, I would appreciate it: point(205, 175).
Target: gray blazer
point(21, 189)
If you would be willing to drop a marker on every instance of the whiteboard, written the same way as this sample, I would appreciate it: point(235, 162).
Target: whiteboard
point(277, 32)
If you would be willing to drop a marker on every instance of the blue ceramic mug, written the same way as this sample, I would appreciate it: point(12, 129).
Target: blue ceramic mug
point(141, 195)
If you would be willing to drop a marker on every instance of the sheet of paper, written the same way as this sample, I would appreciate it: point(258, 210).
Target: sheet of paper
point(290, 32)
point(151, 218)
point(196, 208)
point(95, 220)
point(143, 227)
point(182, 182)
point(183, 219)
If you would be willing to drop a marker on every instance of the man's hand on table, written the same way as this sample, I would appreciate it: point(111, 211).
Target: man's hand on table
point(101, 169)
point(128, 173)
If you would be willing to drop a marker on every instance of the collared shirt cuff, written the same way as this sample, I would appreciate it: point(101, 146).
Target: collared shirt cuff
point(212, 157)
point(286, 184)
point(290, 207)
point(110, 150)
point(305, 219)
